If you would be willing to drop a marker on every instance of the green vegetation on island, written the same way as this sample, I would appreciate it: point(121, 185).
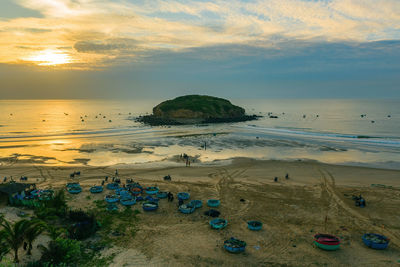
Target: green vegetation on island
point(192, 109)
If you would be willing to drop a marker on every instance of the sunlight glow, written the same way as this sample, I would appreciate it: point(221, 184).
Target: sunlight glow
point(50, 57)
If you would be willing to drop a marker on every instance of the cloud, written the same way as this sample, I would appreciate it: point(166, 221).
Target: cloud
point(101, 31)
point(106, 46)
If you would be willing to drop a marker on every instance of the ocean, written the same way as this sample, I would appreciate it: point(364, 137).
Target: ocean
point(104, 132)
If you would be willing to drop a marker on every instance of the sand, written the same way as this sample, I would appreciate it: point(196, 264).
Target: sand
point(292, 211)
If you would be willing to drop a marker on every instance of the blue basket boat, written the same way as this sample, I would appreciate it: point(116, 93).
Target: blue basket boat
point(72, 184)
point(96, 189)
point(128, 202)
point(234, 245)
point(150, 206)
point(162, 194)
point(196, 203)
point(112, 207)
point(213, 203)
point(254, 225)
point(139, 198)
point(133, 185)
point(183, 195)
point(36, 192)
point(151, 199)
point(187, 208)
point(45, 194)
point(151, 190)
point(74, 190)
point(375, 241)
point(112, 199)
point(218, 223)
point(112, 186)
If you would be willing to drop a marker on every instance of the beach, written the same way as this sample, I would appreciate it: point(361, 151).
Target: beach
point(317, 198)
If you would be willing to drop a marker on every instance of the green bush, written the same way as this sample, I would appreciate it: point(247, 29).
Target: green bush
point(61, 250)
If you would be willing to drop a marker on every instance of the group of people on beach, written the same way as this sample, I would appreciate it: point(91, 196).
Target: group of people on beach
point(186, 158)
point(286, 177)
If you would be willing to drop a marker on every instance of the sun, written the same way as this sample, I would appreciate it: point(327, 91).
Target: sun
point(50, 57)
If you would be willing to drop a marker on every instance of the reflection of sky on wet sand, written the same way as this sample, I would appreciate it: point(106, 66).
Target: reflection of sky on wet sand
point(60, 132)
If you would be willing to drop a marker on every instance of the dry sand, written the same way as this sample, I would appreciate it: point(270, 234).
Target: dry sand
point(292, 211)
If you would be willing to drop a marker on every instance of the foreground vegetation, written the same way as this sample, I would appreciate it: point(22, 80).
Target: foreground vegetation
point(76, 236)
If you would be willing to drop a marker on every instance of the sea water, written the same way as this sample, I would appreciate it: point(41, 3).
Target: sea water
point(104, 132)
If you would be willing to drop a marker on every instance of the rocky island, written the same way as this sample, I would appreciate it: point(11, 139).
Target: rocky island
point(195, 109)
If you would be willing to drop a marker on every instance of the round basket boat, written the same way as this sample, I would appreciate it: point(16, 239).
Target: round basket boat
point(151, 190)
point(151, 199)
point(375, 241)
point(72, 185)
point(136, 190)
point(128, 201)
point(46, 194)
point(162, 194)
point(254, 225)
point(112, 207)
point(150, 206)
point(327, 242)
point(196, 203)
point(96, 189)
point(186, 208)
point(112, 199)
point(36, 192)
point(234, 245)
point(74, 190)
point(112, 186)
point(134, 185)
point(183, 195)
point(213, 203)
point(218, 223)
point(139, 198)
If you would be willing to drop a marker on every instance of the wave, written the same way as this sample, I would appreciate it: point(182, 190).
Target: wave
point(362, 139)
point(79, 134)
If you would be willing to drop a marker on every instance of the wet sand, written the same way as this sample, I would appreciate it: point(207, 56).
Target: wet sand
point(292, 211)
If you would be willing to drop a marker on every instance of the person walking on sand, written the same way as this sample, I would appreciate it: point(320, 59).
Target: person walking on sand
point(276, 179)
point(287, 176)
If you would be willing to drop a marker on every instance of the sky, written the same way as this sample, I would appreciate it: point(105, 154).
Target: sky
point(236, 48)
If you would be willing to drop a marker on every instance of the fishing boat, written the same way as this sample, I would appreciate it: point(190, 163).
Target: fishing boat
point(136, 190)
point(111, 198)
point(196, 203)
point(183, 195)
point(151, 190)
point(254, 225)
point(128, 201)
point(72, 185)
point(76, 189)
point(150, 206)
point(375, 241)
point(112, 207)
point(96, 189)
point(213, 203)
point(162, 194)
point(218, 223)
point(235, 245)
point(151, 199)
point(112, 186)
point(327, 242)
point(186, 208)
